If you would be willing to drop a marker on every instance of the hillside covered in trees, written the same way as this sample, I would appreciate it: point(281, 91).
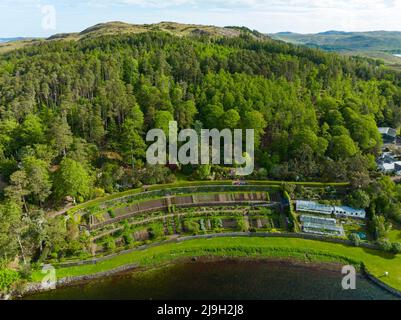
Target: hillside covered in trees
point(381, 45)
point(74, 111)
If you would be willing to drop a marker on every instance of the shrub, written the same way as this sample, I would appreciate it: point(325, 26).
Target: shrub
point(99, 192)
point(128, 239)
point(111, 213)
point(396, 247)
point(217, 223)
point(191, 227)
point(384, 245)
point(110, 244)
point(156, 231)
point(7, 278)
point(241, 224)
point(178, 225)
point(355, 239)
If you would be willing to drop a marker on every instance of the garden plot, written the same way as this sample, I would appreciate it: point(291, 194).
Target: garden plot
point(264, 223)
point(230, 223)
point(169, 203)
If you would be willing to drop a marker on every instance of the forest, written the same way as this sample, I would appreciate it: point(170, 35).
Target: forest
point(74, 116)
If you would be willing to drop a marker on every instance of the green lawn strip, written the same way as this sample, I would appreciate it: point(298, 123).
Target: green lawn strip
point(376, 262)
point(394, 235)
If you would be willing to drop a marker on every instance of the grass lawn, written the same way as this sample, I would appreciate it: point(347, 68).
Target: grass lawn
point(308, 250)
point(394, 235)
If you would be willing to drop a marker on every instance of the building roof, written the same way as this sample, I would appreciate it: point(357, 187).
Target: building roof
point(392, 166)
point(318, 220)
point(311, 206)
point(349, 210)
point(388, 131)
point(321, 225)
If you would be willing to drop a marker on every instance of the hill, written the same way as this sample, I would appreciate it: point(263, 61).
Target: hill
point(375, 44)
point(120, 28)
point(178, 29)
point(75, 111)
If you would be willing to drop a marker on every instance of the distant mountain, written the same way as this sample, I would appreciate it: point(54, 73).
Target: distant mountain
point(117, 27)
point(120, 28)
point(332, 32)
point(388, 41)
point(2, 40)
point(374, 44)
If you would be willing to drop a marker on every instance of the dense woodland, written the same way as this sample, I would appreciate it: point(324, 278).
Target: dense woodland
point(73, 118)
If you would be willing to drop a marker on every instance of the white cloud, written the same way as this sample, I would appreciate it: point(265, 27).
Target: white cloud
point(22, 17)
point(270, 4)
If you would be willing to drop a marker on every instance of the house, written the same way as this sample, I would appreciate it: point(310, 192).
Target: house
point(388, 163)
point(345, 211)
point(339, 211)
point(389, 135)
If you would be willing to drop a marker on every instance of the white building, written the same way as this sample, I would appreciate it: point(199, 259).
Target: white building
point(321, 226)
point(389, 135)
point(387, 163)
point(340, 211)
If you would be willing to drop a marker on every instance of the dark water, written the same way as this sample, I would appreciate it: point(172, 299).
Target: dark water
point(224, 280)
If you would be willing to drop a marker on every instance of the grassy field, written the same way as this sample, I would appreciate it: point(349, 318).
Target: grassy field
point(307, 250)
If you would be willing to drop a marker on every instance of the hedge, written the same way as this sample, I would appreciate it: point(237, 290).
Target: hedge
point(291, 214)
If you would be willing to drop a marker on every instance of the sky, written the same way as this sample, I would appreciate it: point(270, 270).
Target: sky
point(42, 18)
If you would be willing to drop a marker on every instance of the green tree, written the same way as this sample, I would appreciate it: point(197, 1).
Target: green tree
point(60, 135)
point(255, 120)
point(162, 120)
point(31, 130)
point(203, 172)
point(342, 147)
point(10, 218)
point(229, 119)
point(185, 113)
point(39, 184)
point(18, 188)
point(132, 144)
point(381, 226)
point(72, 180)
point(359, 199)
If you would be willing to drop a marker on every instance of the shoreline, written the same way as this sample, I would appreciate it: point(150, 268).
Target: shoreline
point(249, 248)
point(135, 268)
